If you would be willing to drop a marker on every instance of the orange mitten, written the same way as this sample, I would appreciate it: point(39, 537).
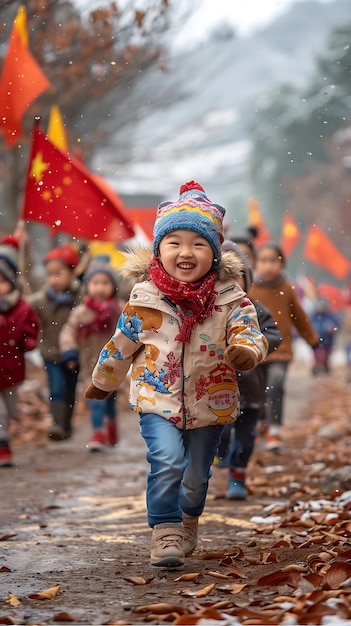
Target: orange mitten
point(93, 393)
point(240, 358)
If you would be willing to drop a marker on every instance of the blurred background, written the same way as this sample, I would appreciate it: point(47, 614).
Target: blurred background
point(252, 99)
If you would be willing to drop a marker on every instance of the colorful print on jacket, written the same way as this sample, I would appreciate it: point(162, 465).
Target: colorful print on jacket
point(190, 384)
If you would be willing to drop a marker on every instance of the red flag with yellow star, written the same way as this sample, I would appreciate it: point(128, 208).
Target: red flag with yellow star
point(62, 193)
point(21, 82)
point(291, 234)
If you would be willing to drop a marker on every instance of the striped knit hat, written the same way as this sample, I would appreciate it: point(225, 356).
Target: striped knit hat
point(9, 258)
point(193, 211)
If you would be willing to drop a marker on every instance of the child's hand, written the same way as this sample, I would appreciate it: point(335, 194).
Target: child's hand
point(93, 393)
point(240, 359)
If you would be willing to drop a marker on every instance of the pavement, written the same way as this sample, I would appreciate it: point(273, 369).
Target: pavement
point(76, 520)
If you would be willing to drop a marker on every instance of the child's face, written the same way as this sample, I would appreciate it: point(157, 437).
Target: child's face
point(248, 253)
point(5, 286)
point(185, 255)
point(58, 275)
point(100, 287)
point(268, 264)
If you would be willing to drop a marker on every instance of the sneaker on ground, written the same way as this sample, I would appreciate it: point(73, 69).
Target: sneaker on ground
point(167, 546)
point(190, 534)
point(57, 433)
point(236, 486)
point(274, 443)
point(5, 455)
point(97, 442)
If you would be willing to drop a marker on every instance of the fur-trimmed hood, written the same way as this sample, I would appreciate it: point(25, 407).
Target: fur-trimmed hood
point(136, 266)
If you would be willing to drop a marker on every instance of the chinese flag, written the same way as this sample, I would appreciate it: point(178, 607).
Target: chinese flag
point(63, 194)
point(290, 234)
point(319, 249)
point(256, 219)
point(21, 82)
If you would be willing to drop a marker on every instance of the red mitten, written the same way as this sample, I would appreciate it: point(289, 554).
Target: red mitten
point(240, 358)
point(93, 393)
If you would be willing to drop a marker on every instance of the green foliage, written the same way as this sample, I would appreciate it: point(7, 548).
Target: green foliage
point(296, 135)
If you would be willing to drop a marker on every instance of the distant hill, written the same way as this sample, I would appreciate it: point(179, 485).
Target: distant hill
point(195, 116)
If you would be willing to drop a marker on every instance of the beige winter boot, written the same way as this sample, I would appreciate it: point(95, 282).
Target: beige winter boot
point(190, 532)
point(167, 545)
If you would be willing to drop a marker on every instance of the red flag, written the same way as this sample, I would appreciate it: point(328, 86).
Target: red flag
point(319, 249)
point(22, 80)
point(290, 234)
point(143, 217)
point(256, 219)
point(62, 193)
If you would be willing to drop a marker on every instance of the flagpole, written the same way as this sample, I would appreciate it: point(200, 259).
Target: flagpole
point(21, 232)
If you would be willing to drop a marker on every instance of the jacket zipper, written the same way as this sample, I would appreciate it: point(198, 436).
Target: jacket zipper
point(183, 386)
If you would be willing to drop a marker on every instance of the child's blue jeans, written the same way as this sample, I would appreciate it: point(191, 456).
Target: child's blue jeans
point(62, 382)
point(99, 409)
point(180, 468)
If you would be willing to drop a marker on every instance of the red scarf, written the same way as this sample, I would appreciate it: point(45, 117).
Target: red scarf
point(195, 300)
point(105, 319)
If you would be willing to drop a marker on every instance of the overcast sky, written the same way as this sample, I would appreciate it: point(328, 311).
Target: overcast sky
point(245, 15)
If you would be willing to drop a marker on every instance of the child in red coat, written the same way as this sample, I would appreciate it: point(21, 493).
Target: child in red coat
point(18, 334)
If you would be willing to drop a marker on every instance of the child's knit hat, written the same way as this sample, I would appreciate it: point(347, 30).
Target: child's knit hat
point(9, 258)
point(100, 265)
point(193, 211)
point(67, 253)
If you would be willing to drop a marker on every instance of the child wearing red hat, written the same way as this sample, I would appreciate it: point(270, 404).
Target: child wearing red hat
point(19, 326)
point(53, 304)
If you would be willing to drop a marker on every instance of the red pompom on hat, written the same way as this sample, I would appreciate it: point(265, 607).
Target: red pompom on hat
point(191, 185)
point(10, 240)
point(193, 211)
point(67, 253)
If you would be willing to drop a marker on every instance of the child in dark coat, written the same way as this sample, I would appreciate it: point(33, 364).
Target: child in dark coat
point(238, 440)
point(19, 327)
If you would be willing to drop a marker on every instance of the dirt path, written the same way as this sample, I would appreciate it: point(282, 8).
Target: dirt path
point(78, 520)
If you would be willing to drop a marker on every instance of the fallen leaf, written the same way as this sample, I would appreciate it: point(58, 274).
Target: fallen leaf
point(336, 575)
point(3, 568)
point(279, 577)
point(237, 587)
point(214, 555)
point(63, 616)
point(237, 571)
point(190, 576)
point(217, 575)
point(160, 617)
point(187, 620)
point(12, 600)
point(159, 608)
point(138, 580)
point(7, 620)
point(205, 591)
point(48, 594)
point(6, 537)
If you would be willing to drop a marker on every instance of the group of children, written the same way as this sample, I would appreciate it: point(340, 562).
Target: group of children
point(68, 319)
point(203, 323)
